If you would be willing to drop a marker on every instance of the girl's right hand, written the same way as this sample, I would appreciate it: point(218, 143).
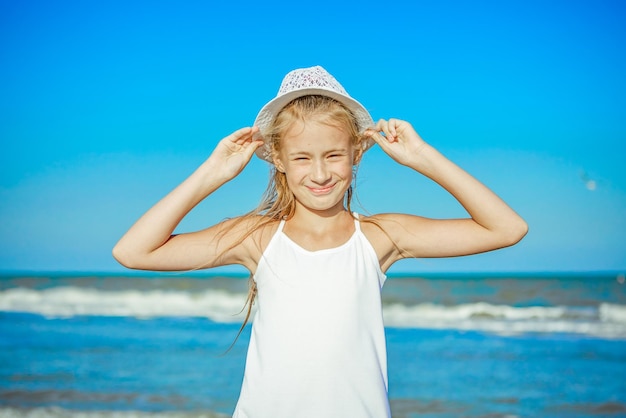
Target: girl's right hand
point(149, 243)
point(234, 152)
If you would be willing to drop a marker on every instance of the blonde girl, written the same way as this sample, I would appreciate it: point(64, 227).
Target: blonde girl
point(317, 347)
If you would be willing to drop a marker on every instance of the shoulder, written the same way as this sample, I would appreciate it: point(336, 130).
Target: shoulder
point(247, 237)
point(388, 223)
point(379, 227)
point(388, 233)
point(251, 228)
point(375, 230)
point(262, 230)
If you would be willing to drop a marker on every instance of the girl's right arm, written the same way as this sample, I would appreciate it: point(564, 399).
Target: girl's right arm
point(149, 243)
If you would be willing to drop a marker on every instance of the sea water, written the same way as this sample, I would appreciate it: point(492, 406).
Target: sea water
point(458, 345)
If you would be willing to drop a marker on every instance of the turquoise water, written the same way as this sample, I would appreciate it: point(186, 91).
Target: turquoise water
point(483, 346)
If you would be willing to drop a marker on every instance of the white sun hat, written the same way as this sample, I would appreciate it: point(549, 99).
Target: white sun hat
point(305, 82)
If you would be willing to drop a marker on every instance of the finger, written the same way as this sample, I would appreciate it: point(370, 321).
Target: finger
point(241, 135)
point(252, 147)
point(376, 135)
point(381, 125)
point(393, 123)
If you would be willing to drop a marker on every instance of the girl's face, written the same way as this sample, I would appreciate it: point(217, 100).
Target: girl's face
point(317, 161)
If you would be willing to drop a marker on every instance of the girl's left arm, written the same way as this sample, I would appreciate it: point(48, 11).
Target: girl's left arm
point(492, 223)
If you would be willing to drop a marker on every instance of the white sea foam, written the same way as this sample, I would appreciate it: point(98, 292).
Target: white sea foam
point(55, 412)
point(613, 313)
point(605, 320)
point(220, 306)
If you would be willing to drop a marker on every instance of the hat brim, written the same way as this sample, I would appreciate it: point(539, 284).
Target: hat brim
point(268, 113)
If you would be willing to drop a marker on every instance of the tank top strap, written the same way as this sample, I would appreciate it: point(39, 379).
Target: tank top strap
point(281, 225)
point(357, 222)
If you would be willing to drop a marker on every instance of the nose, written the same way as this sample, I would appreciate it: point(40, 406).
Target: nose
point(320, 173)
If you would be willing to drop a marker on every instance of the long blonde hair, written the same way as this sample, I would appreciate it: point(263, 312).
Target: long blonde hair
point(278, 201)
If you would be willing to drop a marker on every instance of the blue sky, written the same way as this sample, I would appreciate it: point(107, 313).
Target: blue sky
point(106, 106)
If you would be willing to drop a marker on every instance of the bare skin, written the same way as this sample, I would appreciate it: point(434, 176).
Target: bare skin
point(317, 161)
point(492, 223)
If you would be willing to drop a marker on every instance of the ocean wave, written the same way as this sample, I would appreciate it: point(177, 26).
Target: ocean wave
point(613, 313)
point(56, 412)
point(63, 302)
point(604, 320)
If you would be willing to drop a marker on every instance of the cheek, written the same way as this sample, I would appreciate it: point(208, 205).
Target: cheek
point(345, 170)
point(295, 173)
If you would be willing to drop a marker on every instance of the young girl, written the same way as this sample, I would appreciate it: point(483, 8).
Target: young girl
point(317, 347)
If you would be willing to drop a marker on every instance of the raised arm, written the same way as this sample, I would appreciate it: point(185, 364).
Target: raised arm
point(492, 223)
point(149, 243)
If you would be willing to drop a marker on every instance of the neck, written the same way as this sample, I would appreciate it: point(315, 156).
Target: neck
point(320, 219)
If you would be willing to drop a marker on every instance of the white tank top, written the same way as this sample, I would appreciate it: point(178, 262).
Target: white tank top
point(317, 347)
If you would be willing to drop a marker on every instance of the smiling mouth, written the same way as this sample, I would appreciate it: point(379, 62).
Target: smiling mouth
point(321, 190)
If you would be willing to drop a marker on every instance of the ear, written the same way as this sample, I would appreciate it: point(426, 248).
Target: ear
point(358, 154)
point(278, 164)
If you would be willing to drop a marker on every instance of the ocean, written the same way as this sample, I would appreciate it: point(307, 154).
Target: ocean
point(94, 345)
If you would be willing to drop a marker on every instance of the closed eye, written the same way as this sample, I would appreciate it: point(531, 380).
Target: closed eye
point(335, 156)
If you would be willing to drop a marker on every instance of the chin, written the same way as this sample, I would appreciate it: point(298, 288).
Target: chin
point(326, 205)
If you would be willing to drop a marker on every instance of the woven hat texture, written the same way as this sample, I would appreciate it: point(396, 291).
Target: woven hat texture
point(304, 82)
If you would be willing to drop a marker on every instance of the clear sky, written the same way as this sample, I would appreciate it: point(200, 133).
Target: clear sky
point(106, 106)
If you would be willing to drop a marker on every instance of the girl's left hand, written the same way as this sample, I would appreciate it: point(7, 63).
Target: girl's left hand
point(398, 139)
